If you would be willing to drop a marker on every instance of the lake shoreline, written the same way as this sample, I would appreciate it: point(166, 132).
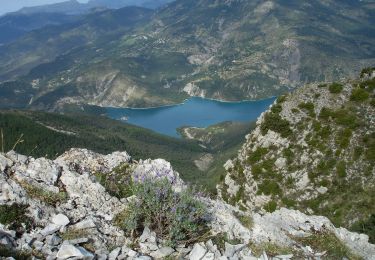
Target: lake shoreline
point(194, 112)
point(187, 99)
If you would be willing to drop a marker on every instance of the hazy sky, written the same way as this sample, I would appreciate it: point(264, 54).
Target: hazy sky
point(14, 5)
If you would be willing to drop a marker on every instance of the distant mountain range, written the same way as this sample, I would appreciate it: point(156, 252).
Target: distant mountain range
point(74, 7)
point(228, 50)
point(16, 24)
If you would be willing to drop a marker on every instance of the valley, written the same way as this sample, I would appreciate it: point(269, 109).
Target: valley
point(187, 129)
point(49, 135)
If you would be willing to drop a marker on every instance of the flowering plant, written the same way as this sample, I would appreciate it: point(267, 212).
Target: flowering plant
point(174, 216)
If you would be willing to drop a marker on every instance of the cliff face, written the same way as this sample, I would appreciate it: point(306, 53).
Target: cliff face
point(69, 207)
point(313, 150)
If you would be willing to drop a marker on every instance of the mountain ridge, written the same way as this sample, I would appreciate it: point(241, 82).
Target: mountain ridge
point(312, 151)
point(229, 51)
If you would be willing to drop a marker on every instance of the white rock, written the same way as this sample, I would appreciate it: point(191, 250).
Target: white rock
point(68, 251)
point(38, 245)
point(114, 254)
point(143, 257)
point(280, 163)
point(231, 250)
point(162, 252)
point(85, 224)
point(4, 162)
point(284, 257)
point(15, 157)
point(209, 256)
point(53, 240)
point(198, 252)
point(61, 220)
point(132, 253)
point(145, 235)
point(228, 165)
point(50, 229)
point(43, 170)
point(322, 190)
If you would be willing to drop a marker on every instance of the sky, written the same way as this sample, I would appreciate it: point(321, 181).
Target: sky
point(7, 6)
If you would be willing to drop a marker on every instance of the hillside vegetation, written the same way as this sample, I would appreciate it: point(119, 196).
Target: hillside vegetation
point(312, 151)
point(50, 134)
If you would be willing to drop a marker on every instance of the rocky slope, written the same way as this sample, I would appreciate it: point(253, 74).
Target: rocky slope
point(312, 151)
point(59, 209)
point(229, 50)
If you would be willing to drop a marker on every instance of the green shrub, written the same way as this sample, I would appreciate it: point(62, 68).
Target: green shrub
point(175, 217)
point(269, 187)
point(309, 107)
point(257, 155)
point(19, 255)
point(325, 113)
point(324, 132)
point(274, 122)
point(289, 203)
point(369, 85)
point(117, 183)
point(341, 169)
point(295, 110)
point(329, 243)
point(271, 249)
point(246, 220)
point(346, 118)
point(15, 217)
point(256, 171)
point(270, 206)
point(358, 151)
point(366, 71)
point(289, 155)
point(359, 95)
point(335, 88)
point(343, 139)
point(276, 108)
point(366, 227)
point(281, 99)
point(43, 195)
point(322, 85)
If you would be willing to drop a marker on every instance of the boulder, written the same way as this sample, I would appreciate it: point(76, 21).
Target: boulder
point(85, 224)
point(70, 251)
point(231, 250)
point(60, 220)
point(198, 252)
point(114, 253)
point(50, 229)
point(53, 240)
point(162, 252)
point(4, 162)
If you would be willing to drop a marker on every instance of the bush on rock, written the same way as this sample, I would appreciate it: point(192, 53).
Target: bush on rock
point(174, 216)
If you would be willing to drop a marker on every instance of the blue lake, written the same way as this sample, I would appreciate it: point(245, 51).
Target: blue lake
point(196, 112)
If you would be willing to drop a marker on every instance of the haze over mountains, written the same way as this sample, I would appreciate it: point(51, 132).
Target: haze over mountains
point(229, 50)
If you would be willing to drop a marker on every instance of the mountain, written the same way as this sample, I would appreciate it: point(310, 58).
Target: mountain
point(40, 46)
point(15, 25)
point(312, 151)
point(73, 7)
point(122, 3)
point(229, 50)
